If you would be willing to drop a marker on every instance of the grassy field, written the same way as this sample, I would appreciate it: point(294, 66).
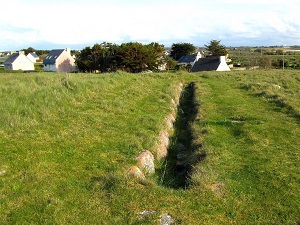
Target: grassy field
point(67, 141)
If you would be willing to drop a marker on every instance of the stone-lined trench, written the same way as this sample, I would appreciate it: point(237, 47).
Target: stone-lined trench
point(177, 166)
point(178, 153)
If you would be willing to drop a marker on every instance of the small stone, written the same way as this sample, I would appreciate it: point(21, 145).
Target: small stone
point(181, 155)
point(3, 170)
point(134, 171)
point(146, 213)
point(146, 161)
point(217, 188)
point(180, 111)
point(166, 219)
point(170, 121)
point(181, 147)
point(276, 86)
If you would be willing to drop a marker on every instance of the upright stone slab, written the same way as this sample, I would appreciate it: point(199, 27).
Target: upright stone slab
point(146, 161)
point(164, 141)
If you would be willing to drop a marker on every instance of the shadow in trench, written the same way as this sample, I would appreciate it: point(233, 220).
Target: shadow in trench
point(182, 153)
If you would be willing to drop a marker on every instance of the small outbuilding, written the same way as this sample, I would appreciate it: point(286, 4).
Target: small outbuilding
point(59, 60)
point(211, 64)
point(18, 61)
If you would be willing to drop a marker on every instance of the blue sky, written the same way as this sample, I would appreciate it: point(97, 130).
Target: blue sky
point(44, 24)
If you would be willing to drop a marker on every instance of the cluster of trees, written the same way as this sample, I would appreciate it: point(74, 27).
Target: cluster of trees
point(214, 48)
point(132, 57)
point(38, 52)
point(181, 49)
point(135, 57)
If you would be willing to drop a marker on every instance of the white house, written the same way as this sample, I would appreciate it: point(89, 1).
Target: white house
point(59, 60)
point(33, 56)
point(18, 61)
point(211, 64)
point(189, 59)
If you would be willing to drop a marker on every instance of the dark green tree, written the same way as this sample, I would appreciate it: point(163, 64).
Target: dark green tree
point(216, 48)
point(132, 57)
point(83, 60)
point(170, 63)
point(135, 57)
point(181, 49)
point(154, 56)
point(108, 61)
point(28, 50)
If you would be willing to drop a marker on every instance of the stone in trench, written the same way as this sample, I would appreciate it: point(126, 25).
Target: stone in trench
point(182, 156)
point(180, 147)
point(146, 161)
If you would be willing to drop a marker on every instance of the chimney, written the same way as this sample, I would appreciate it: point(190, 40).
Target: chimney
point(223, 59)
point(21, 52)
point(68, 50)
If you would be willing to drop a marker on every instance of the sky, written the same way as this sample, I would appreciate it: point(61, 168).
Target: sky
point(50, 24)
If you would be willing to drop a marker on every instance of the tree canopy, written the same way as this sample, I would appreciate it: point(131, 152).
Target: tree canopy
point(38, 52)
point(131, 57)
point(181, 49)
point(216, 48)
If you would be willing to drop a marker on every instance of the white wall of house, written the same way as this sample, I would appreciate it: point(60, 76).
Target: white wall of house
point(63, 63)
point(21, 63)
point(223, 65)
point(33, 59)
point(49, 67)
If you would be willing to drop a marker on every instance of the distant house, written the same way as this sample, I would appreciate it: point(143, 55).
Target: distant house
point(211, 64)
point(189, 59)
point(59, 60)
point(33, 56)
point(18, 61)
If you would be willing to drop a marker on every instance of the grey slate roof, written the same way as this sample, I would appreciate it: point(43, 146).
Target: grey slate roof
point(34, 55)
point(52, 56)
point(206, 64)
point(11, 59)
point(187, 58)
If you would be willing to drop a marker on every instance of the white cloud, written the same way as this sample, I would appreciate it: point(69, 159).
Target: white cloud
point(80, 22)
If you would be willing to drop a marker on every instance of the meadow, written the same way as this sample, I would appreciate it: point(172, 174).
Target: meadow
point(67, 141)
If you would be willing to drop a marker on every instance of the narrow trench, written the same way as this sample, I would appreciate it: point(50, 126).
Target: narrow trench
point(177, 167)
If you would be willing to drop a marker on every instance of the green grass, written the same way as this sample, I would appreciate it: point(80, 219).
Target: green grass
point(67, 140)
point(252, 148)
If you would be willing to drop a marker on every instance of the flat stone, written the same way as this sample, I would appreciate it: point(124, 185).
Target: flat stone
point(146, 213)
